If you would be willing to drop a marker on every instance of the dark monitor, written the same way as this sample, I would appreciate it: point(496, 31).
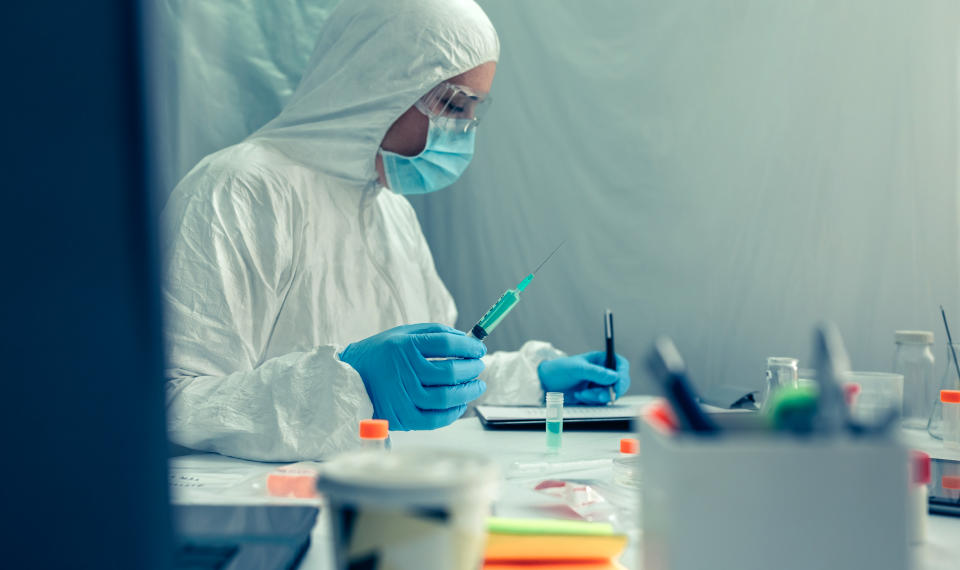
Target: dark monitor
point(84, 481)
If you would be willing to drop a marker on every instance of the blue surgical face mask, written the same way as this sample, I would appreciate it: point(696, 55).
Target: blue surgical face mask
point(445, 156)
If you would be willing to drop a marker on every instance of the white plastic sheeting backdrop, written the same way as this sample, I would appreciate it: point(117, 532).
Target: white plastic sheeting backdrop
point(725, 173)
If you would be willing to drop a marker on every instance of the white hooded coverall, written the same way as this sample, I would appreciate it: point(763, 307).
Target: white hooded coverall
point(282, 249)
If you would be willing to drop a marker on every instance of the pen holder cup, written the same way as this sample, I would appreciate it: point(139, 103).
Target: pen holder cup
point(756, 500)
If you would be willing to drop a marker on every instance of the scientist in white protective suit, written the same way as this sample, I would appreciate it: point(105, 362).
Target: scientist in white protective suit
point(296, 270)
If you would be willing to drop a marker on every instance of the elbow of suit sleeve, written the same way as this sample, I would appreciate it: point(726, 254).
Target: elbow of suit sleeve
point(300, 406)
point(511, 376)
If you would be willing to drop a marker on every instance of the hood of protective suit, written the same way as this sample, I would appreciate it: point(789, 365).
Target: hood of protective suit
point(373, 60)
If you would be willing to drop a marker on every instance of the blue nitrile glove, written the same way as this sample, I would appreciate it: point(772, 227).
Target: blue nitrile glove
point(410, 391)
point(583, 379)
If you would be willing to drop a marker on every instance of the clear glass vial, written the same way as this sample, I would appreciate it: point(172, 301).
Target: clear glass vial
point(554, 416)
point(782, 372)
point(914, 359)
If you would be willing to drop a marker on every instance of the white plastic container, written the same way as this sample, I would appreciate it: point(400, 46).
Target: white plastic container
point(918, 496)
point(914, 360)
point(756, 501)
point(423, 509)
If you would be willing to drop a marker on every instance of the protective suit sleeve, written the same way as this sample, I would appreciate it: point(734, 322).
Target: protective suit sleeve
point(229, 249)
point(511, 376)
point(299, 406)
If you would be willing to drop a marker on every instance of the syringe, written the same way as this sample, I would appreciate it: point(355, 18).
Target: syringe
point(504, 304)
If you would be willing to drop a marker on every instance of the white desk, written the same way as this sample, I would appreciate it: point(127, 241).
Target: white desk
point(227, 480)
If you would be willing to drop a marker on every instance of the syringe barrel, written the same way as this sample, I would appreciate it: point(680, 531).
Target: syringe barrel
point(498, 311)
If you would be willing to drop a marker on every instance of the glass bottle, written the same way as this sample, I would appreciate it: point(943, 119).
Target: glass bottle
point(914, 359)
point(948, 381)
point(782, 372)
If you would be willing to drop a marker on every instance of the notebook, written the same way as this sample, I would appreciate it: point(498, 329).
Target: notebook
point(612, 417)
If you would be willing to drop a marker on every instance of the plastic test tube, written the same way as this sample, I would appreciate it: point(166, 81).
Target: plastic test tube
point(554, 416)
point(374, 434)
point(951, 417)
point(626, 468)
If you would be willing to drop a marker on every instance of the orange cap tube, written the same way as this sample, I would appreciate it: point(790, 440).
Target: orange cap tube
point(374, 429)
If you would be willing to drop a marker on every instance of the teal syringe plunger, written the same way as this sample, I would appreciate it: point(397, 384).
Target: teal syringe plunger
point(504, 304)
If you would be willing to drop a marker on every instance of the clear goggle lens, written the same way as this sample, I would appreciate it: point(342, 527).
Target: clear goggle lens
point(454, 107)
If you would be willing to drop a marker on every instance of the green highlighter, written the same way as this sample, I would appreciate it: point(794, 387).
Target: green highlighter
point(548, 526)
point(793, 410)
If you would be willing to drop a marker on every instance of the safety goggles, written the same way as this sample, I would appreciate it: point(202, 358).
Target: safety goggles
point(454, 107)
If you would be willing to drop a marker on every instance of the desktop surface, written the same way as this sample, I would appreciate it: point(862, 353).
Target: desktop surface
point(517, 497)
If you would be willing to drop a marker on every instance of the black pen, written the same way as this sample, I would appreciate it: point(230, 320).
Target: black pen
point(611, 361)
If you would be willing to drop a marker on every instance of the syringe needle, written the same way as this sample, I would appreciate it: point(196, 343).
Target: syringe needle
point(505, 304)
point(548, 257)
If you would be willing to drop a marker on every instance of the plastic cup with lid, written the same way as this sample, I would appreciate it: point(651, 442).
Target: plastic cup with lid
point(412, 508)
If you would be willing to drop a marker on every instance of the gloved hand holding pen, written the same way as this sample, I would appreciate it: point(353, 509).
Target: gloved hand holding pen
point(583, 379)
point(409, 391)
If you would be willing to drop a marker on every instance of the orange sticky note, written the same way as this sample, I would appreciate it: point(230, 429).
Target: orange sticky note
point(567, 548)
